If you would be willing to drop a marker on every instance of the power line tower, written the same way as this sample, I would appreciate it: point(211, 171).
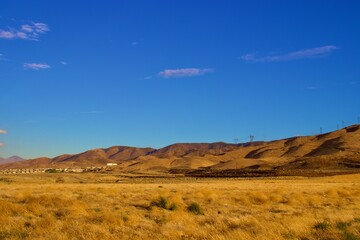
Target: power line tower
point(343, 123)
point(321, 130)
point(252, 138)
point(236, 140)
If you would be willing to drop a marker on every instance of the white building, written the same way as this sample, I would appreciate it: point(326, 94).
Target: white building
point(111, 164)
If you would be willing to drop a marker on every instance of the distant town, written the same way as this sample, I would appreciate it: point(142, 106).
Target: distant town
point(56, 170)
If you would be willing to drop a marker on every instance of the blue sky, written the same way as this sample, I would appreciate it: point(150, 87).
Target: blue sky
point(76, 75)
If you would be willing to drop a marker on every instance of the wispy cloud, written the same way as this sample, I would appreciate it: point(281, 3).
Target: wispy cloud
point(184, 72)
point(301, 54)
point(36, 66)
point(63, 62)
point(30, 31)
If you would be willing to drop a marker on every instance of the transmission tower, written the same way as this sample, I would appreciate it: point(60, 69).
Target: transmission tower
point(252, 138)
point(236, 140)
point(321, 130)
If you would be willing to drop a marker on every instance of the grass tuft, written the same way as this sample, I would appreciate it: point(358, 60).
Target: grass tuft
point(289, 235)
point(173, 207)
point(350, 236)
point(195, 208)
point(161, 202)
point(343, 225)
point(323, 226)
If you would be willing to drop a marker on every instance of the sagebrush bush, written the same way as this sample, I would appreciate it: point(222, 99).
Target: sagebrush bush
point(195, 208)
point(343, 225)
point(323, 226)
point(173, 207)
point(161, 202)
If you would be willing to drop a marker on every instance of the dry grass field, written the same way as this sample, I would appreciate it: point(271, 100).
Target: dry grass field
point(90, 206)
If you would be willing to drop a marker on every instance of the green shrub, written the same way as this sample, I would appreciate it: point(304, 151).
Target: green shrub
point(343, 225)
point(125, 218)
point(161, 202)
point(323, 226)
point(289, 235)
point(195, 208)
point(350, 236)
point(173, 207)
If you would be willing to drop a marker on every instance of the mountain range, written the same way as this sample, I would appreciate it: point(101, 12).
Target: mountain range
point(11, 159)
point(337, 151)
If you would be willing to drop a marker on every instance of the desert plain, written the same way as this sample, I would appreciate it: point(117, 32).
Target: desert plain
point(115, 206)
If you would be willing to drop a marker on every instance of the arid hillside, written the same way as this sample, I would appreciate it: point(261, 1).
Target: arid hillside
point(11, 159)
point(338, 150)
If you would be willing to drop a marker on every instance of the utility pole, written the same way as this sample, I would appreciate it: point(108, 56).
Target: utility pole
point(337, 127)
point(343, 123)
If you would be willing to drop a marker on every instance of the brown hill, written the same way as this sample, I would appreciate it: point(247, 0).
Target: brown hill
point(11, 159)
point(94, 157)
point(43, 162)
point(101, 156)
point(338, 150)
point(193, 149)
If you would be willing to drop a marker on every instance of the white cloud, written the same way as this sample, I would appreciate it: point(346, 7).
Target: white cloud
point(30, 31)
point(63, 62)
point(7, 34)
point(36, 66)
point(301, 54)
point(184, 72)
point(3, 131)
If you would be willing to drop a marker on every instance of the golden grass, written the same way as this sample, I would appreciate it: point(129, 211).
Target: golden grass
point(41, 207)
